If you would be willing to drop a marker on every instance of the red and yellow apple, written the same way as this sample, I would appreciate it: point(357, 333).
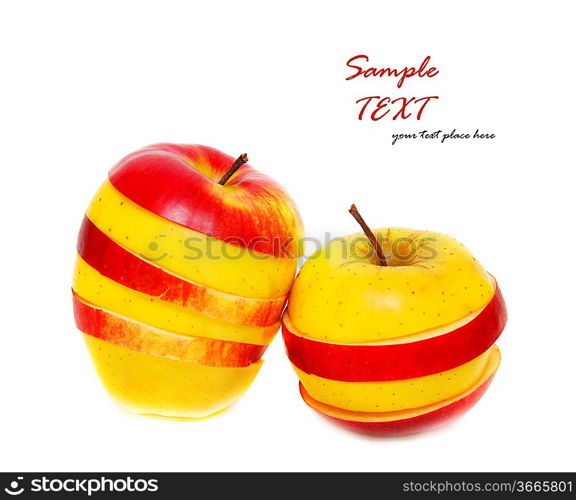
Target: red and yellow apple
point(398, 342)
point(185, 259)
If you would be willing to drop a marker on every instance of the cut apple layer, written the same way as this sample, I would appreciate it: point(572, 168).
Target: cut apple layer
point(107, 294)
point(251, 207)
point(127, 333)
point(437, 283)
point(408, 357)
point(155, 385)
point(191, 255)
point(396, 423)
point(394, 394)
point(115, 262)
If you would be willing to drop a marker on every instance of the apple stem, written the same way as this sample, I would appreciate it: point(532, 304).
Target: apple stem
point(368, 232)
point(243, 158)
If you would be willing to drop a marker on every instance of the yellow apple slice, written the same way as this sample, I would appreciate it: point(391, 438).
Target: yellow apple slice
point(189, 254)
point(142, 383)
point(106, 293)
point(394, 395)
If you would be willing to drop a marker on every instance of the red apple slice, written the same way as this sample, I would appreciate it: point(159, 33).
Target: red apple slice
point(122, 266)
point(404, 422)
point(118, 330)
point(181, 185)
point(409, 357)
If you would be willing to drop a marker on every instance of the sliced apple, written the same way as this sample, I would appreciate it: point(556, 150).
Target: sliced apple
point(397, 423)
point(107, 294)
point(156, 385)
point(184, 263)
point(127, 333)
point(115, 262)
point(418, 355)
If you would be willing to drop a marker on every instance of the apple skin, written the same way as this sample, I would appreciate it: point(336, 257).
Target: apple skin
point(103, 325)
point(412, 425)
point(251, 210)
point(122, 266)
point(397, 361)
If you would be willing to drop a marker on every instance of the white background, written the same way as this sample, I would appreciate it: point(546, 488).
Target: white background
point(83, 84)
